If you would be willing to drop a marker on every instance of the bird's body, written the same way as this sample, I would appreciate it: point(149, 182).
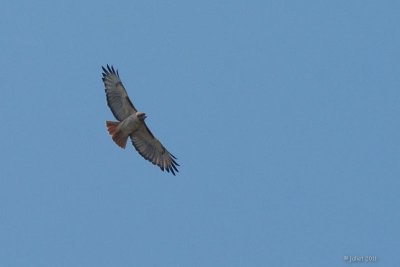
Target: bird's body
point(132, 124)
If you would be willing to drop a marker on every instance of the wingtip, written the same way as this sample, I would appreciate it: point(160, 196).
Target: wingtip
point(175, 163)
point(174, 167)
point(171, 169)
point(109, 69)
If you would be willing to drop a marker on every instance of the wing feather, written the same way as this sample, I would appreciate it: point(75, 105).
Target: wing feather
point(117, 98)
point(152, 150)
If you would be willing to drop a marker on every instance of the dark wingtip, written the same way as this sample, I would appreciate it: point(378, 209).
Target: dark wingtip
point(109, 69)
point(173, 166)
point(175, 163)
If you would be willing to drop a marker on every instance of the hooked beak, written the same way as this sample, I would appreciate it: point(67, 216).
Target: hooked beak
point(141, 115)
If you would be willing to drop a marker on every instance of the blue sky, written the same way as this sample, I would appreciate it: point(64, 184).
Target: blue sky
point(283, 116)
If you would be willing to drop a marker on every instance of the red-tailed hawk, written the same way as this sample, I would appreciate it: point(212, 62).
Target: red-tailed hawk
point(131, 124)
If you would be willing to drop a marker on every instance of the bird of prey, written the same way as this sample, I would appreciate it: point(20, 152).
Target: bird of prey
point(131, 124)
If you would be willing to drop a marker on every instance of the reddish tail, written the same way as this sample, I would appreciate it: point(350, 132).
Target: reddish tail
point(117, 136)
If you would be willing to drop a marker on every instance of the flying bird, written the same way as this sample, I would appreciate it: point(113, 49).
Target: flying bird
point(131, 124)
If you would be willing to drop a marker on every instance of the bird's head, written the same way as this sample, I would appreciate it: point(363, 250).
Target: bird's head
point(141, 116)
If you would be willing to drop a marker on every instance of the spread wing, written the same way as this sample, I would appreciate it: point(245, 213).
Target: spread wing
point(151, 149)
point(117, 98)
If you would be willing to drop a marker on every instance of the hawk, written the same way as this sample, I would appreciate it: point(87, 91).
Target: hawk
point(131, 124)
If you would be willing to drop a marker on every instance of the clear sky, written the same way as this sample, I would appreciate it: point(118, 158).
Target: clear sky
point(284, 116)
